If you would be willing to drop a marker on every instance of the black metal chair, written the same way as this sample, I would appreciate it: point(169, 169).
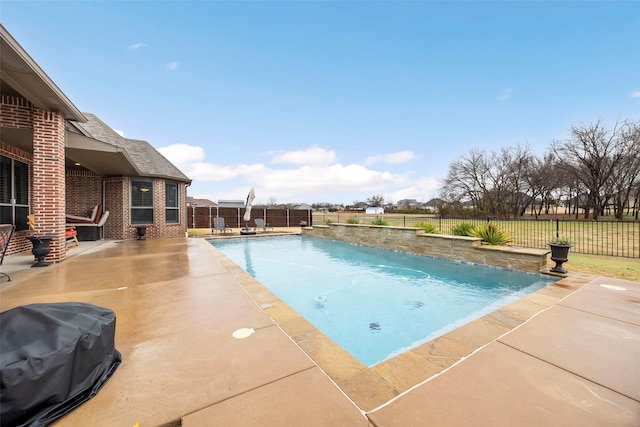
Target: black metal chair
point(6, 231)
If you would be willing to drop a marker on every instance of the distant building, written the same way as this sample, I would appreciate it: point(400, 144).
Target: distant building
point(231, 203)
point(200, 202)
point(374, 210)
point(434, 203)
point(304, 207)
point(407, 204)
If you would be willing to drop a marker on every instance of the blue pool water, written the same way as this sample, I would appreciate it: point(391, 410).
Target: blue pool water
point(376, 303)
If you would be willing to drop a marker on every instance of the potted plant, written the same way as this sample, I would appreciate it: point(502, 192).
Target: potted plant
point(560, 253)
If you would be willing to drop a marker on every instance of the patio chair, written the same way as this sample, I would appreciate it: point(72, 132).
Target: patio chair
point(71, 236)
point(95, 212)
point(6, 231)
point(261, 224)
point(218, 225)
point(70, 232)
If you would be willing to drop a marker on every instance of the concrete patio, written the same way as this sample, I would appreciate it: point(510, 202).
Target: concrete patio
point(566, 355)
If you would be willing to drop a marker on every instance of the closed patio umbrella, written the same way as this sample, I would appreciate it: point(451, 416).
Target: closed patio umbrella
point(247, 208)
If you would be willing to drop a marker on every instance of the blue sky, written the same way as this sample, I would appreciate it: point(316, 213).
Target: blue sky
point(331, 101)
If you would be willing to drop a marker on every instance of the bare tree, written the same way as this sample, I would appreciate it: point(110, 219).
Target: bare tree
point(494, 182)
point(376, 200)
point(466, 179)
point(591, 154)
point(625, 177)
point(543, 183)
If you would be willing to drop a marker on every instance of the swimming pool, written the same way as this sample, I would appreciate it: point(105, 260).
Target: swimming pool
point(376, 303)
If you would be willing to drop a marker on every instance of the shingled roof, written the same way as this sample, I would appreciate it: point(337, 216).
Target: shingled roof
point(146, 159)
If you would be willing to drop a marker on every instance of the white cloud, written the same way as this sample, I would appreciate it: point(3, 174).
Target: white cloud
point(136, 46)
point(635, 94)
point(289, 179)
point(172, 65)
point(311, 156)
point(395, 158)
point(190, 160)
point(337, 178)
point(182, 154)
point(119, 132)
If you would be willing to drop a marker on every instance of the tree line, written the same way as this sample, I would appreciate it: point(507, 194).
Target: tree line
point(595, 169)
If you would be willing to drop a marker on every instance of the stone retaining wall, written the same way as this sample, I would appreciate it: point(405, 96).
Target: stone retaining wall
point(409, 239)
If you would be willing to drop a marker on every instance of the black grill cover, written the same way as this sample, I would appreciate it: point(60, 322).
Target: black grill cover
point(54, 357)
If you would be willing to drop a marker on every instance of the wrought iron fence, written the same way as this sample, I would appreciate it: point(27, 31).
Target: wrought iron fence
point(612, 238)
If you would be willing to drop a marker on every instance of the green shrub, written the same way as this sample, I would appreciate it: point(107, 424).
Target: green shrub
point(463, 229)
point(427, 226)
point(561, 240)
point(328, 220)
point(380, 221)
point(353, 220)
point(491, 234)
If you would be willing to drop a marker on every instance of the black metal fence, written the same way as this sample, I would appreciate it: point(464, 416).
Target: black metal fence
point(202, 217)
point(612, 238)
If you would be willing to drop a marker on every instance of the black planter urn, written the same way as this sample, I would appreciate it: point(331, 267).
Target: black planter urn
point(40, 249)
point(559, 254)
point(141, 232)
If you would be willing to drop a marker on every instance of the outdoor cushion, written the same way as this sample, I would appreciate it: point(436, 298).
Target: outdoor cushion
point(54, 357)
point(82, 219)
point(98, 214)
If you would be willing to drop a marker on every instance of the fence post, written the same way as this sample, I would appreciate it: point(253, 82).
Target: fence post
point(557, 228)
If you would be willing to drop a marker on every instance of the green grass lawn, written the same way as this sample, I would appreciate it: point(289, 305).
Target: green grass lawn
point(623, 268)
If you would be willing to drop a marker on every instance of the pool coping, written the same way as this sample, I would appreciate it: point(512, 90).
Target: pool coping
point(372, 387)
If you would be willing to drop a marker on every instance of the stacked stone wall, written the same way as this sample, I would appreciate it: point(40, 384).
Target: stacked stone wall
point(415, 240)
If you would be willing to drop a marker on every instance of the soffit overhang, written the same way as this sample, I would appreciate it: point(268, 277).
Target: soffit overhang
point(97, 156)
point(26, 77)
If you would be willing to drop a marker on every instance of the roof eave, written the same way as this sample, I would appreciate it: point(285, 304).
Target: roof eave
point(24, 75)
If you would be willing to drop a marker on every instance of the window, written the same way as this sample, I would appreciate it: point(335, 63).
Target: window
point(141, 201)
point(171, 206)
point(14, 192)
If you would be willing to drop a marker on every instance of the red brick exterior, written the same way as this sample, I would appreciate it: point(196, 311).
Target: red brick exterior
point(15, 112)
point(118, 202)
point(48, 193)
point(84, 191)
point(56, 191)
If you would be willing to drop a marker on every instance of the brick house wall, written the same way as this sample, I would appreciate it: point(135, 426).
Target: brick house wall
point(84, 191)
point(48, 175)
point(47, 171)
point(118, 202)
